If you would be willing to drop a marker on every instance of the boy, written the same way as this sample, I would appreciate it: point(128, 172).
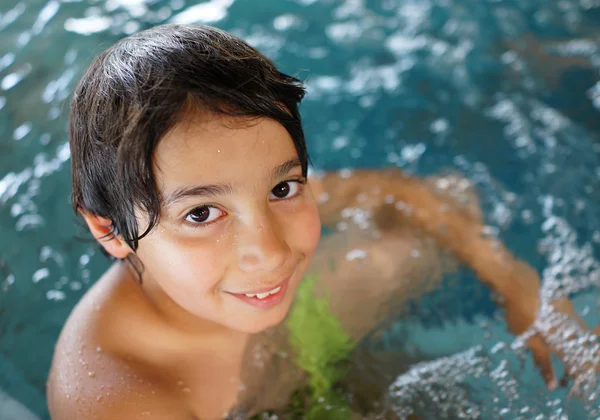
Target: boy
point(190, 168)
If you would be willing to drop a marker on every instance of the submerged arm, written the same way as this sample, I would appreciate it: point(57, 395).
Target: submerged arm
point(453, 227)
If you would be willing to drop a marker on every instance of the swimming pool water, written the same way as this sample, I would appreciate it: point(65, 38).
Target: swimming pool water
point(506, 92)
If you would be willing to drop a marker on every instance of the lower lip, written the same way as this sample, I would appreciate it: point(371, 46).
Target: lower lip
point(268, 302)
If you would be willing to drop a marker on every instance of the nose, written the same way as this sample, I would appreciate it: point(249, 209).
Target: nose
point(261, 246)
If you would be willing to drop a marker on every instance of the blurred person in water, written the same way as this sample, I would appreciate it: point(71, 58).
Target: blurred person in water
point(190, 168)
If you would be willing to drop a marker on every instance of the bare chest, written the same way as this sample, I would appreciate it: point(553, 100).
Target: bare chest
point(260, 378)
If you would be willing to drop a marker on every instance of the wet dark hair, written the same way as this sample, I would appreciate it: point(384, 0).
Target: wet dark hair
point(135, 92)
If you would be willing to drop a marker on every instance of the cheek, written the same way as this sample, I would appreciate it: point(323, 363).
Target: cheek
point(182, 267)
point(307, 230)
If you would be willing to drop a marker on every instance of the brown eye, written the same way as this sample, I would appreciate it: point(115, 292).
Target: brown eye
point(203, 214)
point(286, 189)
point(281, 190)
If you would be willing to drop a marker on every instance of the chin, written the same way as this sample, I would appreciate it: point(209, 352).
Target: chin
point(263, 323)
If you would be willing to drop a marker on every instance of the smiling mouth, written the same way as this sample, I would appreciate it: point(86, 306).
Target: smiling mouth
point(264, 294)
point(265, 298)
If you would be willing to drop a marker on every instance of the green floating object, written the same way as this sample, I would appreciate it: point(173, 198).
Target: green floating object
point(320, 345)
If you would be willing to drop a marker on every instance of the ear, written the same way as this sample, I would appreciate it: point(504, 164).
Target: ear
point(100, 228)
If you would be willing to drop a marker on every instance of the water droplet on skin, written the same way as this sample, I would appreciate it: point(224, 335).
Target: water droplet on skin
point(91, 374)
point(98, 349)
point(186, 390)
point(100, 397)
point(356, 254)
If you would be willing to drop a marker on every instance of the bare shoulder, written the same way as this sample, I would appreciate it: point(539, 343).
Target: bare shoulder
point(116, 358)
point(91, 377)
point(118, 394)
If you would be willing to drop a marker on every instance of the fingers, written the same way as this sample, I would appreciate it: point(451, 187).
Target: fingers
point(542, 359)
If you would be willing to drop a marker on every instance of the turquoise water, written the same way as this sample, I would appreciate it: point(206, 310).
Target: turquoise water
point(504, 91)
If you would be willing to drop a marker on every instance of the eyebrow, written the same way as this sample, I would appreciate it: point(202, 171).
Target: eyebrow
point(207, 191)
point(282, 170)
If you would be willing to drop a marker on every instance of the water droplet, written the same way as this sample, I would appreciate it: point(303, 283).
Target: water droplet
point(40, 274)
point(356, 254)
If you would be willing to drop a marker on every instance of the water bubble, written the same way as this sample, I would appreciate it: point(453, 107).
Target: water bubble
point(340, 142)
point(55, 295)
point(40, 274)
point(356, 254)
point(22, 130)
point(10, 80)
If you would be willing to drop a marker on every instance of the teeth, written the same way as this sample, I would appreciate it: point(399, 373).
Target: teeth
point(264, 295)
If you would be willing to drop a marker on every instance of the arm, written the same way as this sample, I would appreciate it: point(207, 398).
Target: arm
point(453, 227)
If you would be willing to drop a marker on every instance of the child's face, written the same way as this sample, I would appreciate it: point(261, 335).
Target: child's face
point(237, 220)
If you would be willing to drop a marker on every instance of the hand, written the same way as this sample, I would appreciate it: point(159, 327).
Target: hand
point(567, 335)
point(551, 328)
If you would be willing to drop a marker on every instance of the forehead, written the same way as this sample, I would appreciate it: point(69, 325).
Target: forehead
point(211, 148)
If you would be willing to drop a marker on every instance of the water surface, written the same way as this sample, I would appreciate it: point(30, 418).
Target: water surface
point(504, 91)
